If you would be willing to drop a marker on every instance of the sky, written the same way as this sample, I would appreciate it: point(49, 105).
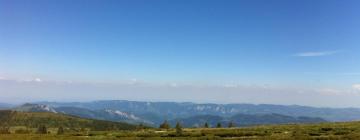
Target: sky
point(301, 52)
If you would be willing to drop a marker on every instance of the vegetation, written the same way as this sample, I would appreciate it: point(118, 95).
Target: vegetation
point(218, 125)
point(23, 126)
point(206, 125)
point(42, 130)
point(23, 131)
point(4, 130)
point(178, 129)
point(165, 125)
point(231, 124)
point(324, 131)
point(60, 131)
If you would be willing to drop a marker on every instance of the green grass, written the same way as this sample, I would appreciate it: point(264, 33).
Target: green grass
point(323, 131)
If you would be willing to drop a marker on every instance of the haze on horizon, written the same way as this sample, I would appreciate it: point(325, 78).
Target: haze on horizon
point(301, 52)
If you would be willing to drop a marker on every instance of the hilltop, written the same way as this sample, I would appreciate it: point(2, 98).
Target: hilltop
point(10, 118)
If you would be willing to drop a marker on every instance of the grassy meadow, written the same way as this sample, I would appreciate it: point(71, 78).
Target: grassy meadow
point(324, 131)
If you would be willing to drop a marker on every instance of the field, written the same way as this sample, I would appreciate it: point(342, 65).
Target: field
point(348, 130)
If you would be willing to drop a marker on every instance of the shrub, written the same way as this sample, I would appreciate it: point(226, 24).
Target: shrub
point(314, 134)
point(42, 130)
point(341, 133)
point(23, 131)
point(326, 129)
point(60, 131)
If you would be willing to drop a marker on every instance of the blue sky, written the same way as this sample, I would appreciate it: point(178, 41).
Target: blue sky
point(203, 44)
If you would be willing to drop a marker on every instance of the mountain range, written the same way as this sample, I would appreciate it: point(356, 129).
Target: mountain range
point(190, 121)
point(5, 106)
point(156, 112)
point(192, 114)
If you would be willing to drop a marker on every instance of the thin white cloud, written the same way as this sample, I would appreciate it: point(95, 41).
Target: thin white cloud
point(2, 78)
point(315, 54)
point(37, 80)
point(135, 81)
point(329, 91)
point(30, 80)
point(174, 85)
point(230, 86)
point(356, 87)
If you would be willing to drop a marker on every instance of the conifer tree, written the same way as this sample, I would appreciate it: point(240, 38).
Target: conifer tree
point(206, 125)
point(178, 128)
point(231, 124)
point(165, 125)
point(218, 125)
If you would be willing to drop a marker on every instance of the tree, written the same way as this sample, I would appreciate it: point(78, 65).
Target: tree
point(206, 125)
point(231, 124)
point(218, 125)
point(60, 131)
point(42, 129)
point(165, 125)
point(178, 128)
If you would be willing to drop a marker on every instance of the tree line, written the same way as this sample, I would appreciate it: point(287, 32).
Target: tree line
point(166, 125)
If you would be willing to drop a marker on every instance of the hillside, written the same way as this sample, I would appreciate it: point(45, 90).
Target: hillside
point(103, 114)
point(35, 119)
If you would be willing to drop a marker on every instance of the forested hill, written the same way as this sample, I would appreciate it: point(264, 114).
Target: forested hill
point(34, 119)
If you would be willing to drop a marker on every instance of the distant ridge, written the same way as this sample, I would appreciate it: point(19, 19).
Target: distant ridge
point(5, 106)
point(156, 112)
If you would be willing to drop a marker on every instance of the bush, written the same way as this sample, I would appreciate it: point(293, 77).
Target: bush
point(341, 133)
point(60, 131)
point(326, 129)
point(23, 131)
point(42, 130)
point(314, 134)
